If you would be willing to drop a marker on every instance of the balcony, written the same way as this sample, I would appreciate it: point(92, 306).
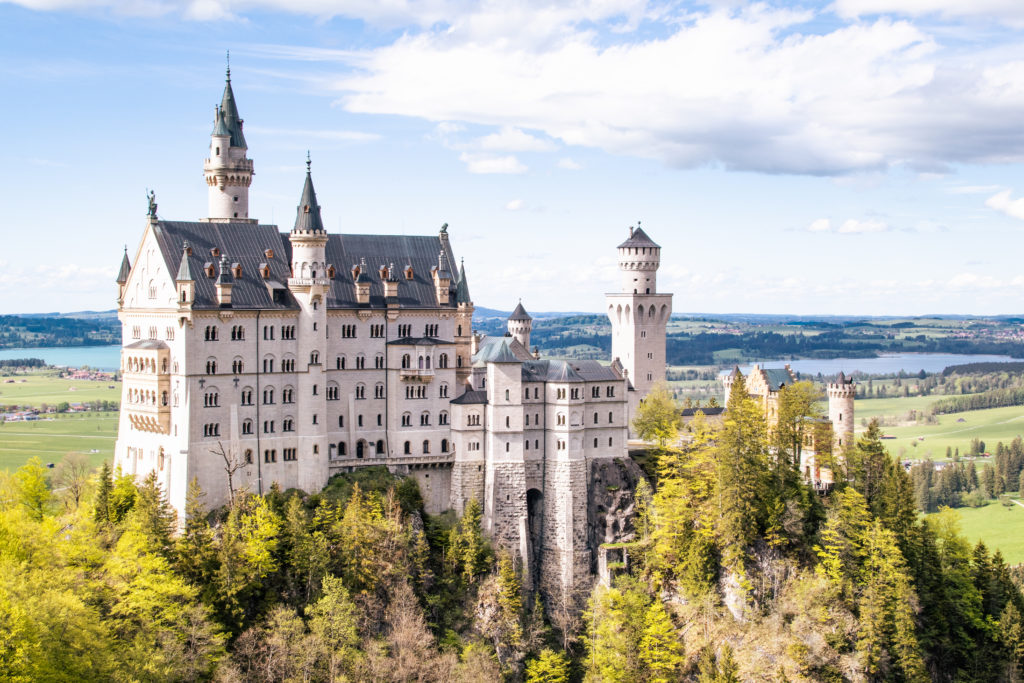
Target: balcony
point(417, 374)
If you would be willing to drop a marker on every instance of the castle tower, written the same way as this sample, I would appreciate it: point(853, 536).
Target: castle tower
point(639, 314)
point(463, 327)
point(227, 170)
point(519, 325)
point(840, 410)
point(309, 284)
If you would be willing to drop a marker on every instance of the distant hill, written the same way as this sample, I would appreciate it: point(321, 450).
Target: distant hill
point(34, 331)
point(77, 315)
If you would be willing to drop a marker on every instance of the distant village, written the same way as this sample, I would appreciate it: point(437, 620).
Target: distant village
point(20, 413)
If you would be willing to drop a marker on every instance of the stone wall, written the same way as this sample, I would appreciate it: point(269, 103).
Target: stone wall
point(467, 483)
point(435, 487)
point(508, 504)
point(565, 553)
point(610, 504)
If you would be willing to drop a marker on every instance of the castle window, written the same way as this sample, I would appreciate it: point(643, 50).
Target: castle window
point(210, 333)
point(405, 330)
point(341, 421)
point(442, 390)
point(208, 267)
point(595, 392)
point(314, 358)
point(268, 426)
point(609, 442)
point(444, 445)
point(610, 392)
point(380, 420)
point(508, 421)
point(527, 444)
point(426, 446)
point(248, 456)
point(536, 392)
point(379, 449)
point(378, 391)
point(288, 395)
point(442, 418)
point(408, 273)
point(527, 418)
point(152, 290)
point(609, 417)
point(315, 419)
point(406, 419)
point(359, 420)
point(288, 425)
point(406, 361)
point(595, 443)
point(561, 419)
point(152, 331)
point(236, 366)
point(360, 391)
point(507, 395)
point(268, 364)
point(378, 361)
point(211, 429)
point(341, 448)
point(442, 361)
point(425, 419)
point(268, 396)
point(535, 442)
point(211, 366)
point(407, 448)
point(595, 418)
point(290, 454)
point(236, 270)
point(507, 448)
point(360, 362)
point(268, 332)
point(211, 399)
point(458, 361)
point(339, 362)
point(332, 392)
point(270, 456)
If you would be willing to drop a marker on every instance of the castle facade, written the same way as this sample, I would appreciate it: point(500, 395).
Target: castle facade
point(253, 357)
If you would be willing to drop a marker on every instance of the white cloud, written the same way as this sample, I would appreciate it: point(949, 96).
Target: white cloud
point(486, 163)
point(511, 139)
point(853, 226)
point(1003, 203)
point(820, 225)
point(1009, 11)
point(336, 135)
point(514, 205)
point(569, 164)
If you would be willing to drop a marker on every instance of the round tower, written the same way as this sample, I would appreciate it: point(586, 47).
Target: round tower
point(519, 325)
point(227, 171)
point(639, 258)
point(840, 410)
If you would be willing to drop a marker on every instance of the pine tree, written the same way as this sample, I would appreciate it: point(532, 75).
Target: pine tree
point(660, 650)
point(33, 489)
point(196, 554)
point(101, 501)
point(548, 667)
point(658, 418)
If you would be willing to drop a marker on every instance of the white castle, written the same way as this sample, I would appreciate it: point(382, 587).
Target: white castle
point(253, 357)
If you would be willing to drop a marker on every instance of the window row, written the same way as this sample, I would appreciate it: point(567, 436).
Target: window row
point(423, 362)
point(442, 418)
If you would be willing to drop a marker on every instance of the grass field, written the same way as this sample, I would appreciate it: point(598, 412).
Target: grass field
point(43, 387)
point(52, 439)
point(998, 526)
point(991, 426)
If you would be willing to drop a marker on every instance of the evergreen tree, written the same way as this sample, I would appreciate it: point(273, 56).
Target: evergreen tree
point(660, 650)
point(195, 550)
point(32, 487)
point(548, 667)
point(104, 489)
point(658, 419)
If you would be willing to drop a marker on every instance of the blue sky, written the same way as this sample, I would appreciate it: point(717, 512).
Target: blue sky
point(852, 157)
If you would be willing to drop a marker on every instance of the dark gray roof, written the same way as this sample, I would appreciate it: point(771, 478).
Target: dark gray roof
point(487, 346)
point(639, 238)
point(549, 371)
point(462, 288)
point(777, 378)
point(419, 341)
point(229, 115)
point(471, 396)
point(520, 313)
point(708, 411)
point(126, 268)
point(307, 213)
point(594, 371)
point(147, 344)
point(420, 252)
point(246, 244)
point(497, 353)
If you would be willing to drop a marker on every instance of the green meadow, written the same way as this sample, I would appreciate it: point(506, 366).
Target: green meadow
point(1000, 527)
point(57, 435)
point(37, 388)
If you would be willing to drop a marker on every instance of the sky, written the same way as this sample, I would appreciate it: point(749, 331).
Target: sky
point(855, 157)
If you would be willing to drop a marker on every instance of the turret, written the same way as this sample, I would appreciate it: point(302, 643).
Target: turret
point(442, 279)
point(225, 283)
point(227, 170)
point(122, 276)
point(520, 324)
point(308, 238)
point(639, 258)
point(184, 281)
point(841, 394)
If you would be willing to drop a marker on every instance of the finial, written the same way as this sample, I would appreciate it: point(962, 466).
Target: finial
point(309, 162)
point(185, 246)
point(126, 249)
point(229, 65)
point(444, 228)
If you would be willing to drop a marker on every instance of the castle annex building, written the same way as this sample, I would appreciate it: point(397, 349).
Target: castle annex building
point(253, 357)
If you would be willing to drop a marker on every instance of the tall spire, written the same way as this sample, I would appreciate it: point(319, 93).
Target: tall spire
point(126, 268)
point(307, 218)
point(462, 287)
point(229, 112)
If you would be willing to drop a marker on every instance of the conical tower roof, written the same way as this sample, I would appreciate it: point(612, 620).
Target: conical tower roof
point(462, 288)
point(228, 115)
point(126, 268)
point(307, 217)
point(184, 272)
point(520, 313)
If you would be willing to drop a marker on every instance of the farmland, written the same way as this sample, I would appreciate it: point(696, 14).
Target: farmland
point(999, 526)
point(54, 436)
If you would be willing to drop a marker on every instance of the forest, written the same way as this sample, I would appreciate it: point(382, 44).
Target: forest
point(36, 331)
point(738, 571)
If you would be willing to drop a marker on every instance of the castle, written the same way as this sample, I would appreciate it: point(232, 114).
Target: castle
point(765, 385)
point(253, 357)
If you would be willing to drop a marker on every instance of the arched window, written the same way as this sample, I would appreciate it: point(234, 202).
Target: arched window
point(406, 361)
point(426, 446)
point(421, 363)
point(247, 427)
point(314, 358)
point(442, 360)
point(339, 362)
point(341, 448)
point(407, 448)
point(442, 417)
point(211, 366)
point(444, 445)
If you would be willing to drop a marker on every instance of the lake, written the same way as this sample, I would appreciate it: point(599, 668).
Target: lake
point(885, 364)
point(99, 357)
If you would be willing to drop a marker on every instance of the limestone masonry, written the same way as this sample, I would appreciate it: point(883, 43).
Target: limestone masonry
point(253, 357)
